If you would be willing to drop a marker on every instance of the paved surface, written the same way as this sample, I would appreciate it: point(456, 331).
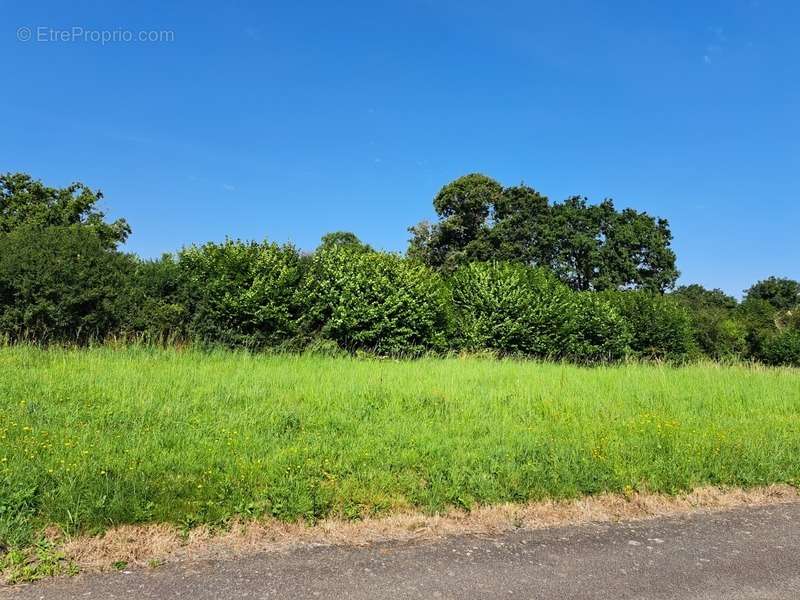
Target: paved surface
point(743, 553)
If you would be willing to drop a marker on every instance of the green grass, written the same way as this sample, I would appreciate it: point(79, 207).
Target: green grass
point(98, 437)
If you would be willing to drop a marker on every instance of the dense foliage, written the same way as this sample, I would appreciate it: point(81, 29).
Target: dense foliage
point(589, 247)
point(241, 294)
point(782, 293)
point(509, 308)
point(660, 327)
point(25, 202)
point(374, 301)
point(517, 310)
point(502, 271)
point(60, 283)
point(716, 330)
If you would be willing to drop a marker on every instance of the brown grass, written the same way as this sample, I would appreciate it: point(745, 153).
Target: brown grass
point(140, 545)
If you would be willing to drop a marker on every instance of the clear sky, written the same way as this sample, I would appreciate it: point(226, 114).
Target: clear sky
point(287, 120)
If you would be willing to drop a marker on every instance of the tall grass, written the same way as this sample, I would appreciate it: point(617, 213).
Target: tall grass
point(101, 436)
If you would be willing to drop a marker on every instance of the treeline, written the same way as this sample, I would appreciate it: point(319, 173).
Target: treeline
point(63, 279)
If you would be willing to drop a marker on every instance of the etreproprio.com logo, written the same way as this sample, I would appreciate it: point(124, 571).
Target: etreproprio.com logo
point(94, 36)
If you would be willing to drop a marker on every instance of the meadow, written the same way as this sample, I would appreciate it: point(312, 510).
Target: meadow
point(103, 436)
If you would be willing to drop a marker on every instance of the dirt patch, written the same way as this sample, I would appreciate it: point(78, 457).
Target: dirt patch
point(154, 544)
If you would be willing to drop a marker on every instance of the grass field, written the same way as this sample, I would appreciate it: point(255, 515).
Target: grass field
point(94, 438)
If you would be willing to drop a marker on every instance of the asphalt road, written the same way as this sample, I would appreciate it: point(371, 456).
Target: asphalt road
point(742, 553)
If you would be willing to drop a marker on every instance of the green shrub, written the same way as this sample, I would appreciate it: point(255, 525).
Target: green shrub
point(759, 318)
point(595, 332)
point(60, 284)
point(516, 310)
point(660, 327)
point(782, 348)
point(241, 293)
point(375, 301)
point(717, 330)
point(509, 308)
point(156, 308)
point(718, 335)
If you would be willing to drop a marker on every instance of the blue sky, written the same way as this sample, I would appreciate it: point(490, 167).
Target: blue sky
point(289, 120)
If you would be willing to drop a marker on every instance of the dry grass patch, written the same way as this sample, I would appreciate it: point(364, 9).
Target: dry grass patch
point(142, 545)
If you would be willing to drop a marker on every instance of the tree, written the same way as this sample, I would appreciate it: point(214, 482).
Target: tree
point(344, 239)
point(522, 230)
point(461, 235)
point(695, 296)
point(28, 202)
point(590, 247)
point(597, 247)
point(782, 293)
point(636, 252)
point(576, 250)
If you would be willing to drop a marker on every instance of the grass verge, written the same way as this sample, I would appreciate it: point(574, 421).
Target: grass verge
point(94, 439)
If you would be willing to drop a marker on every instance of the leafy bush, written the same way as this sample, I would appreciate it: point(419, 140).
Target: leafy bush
point(773, 335)
point(595, 331)
point(782, 348)
point(241, 293)
point(375, 301)
point(60, 284)
point(509, 308)
point(718, 335)
point(717, 330)
point(759, 318)
point(721, 338)
point(659, 326)
point(516, 310)
point(156, 304)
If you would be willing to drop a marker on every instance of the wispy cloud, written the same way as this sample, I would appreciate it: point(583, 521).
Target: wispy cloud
point(228, 187)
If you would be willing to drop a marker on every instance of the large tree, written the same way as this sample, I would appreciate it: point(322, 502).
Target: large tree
point(590, 247)
point(26, 202)
point(461, 235)
point(522, 230)
point(782, 293)
point(597, 247)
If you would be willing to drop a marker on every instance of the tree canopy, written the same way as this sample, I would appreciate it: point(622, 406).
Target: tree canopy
point(590, 247)
point(782, 293)
point(26, 202)
point(345, 239)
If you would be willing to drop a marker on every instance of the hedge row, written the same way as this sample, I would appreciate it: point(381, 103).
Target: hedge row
point(56, 286)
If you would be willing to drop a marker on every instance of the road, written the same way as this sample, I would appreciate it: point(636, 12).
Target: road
point(732, 555)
